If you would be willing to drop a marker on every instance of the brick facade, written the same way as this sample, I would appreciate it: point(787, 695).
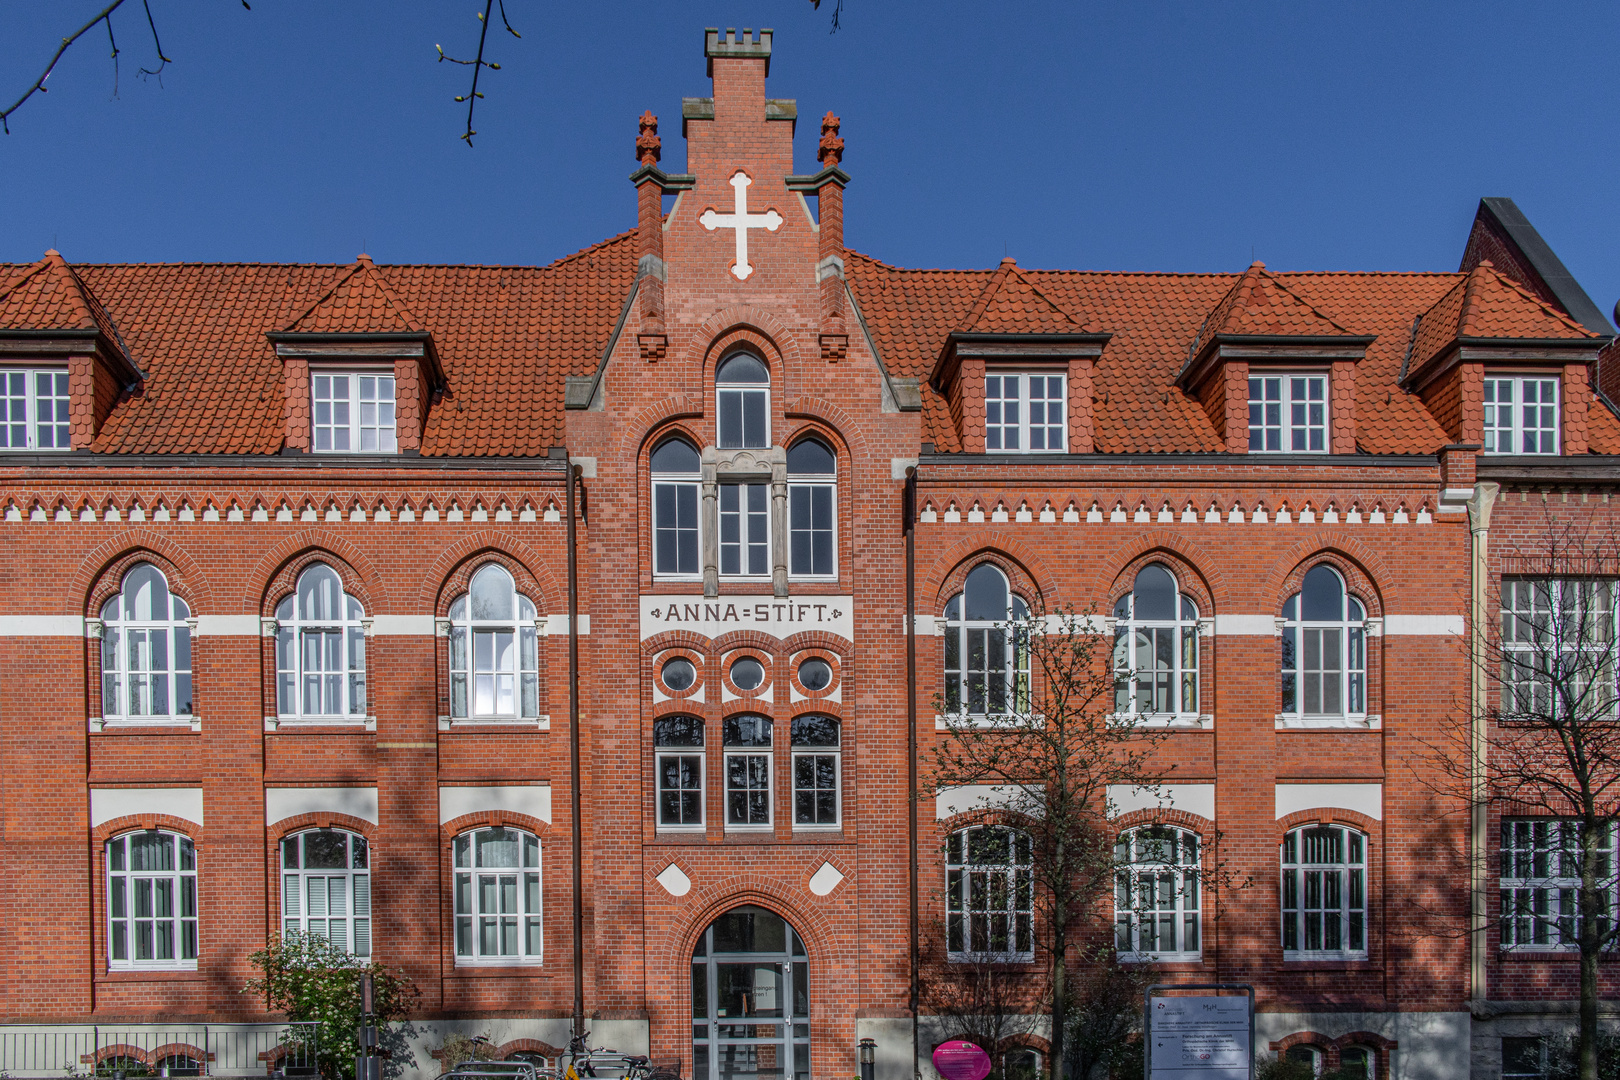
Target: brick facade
point(507, 377)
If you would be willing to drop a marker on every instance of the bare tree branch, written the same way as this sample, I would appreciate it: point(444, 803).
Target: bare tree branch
point(478, 63)
point(838, 9)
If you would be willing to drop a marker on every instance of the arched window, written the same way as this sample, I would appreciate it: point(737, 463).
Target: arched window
point(748, 771)
point(812, 509)
point(1156, 894)
point(151, 901)
point(1021, 1063)
point(1156, 649)
point(677, 476)
point(1324, 893)
point(990, 894)
point(498, 915)
point(320, 650)
point(326, 887)
point(494, 651)
point(1309, 1056)
point(742, 397)
point(1358, 1063)
point(177, 1065)
point(815, 772)
point(986, 653)
point(1324, 650)
point(145, 651)
point(678, 743)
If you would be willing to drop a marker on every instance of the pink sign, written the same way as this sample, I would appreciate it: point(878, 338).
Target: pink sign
point(961, 1060)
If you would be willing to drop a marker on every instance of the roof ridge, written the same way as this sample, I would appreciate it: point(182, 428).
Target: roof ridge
point(354, 268)
point(375, 275)
point(990, 288)
point(1079, 324)
point(1526, 294)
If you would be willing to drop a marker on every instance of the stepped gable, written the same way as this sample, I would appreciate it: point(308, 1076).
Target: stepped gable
point(49, 295)
point(361, 303)
point(1010, 304)
point(507, 336)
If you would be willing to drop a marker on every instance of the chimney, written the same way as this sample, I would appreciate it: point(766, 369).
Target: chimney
point(650, 272)
point(739, 67)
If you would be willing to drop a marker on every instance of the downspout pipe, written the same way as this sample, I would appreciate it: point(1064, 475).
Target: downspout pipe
point(574, 472)
point(1479, 527)
point(908, 511)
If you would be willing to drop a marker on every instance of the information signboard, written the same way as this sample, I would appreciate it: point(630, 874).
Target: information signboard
point(1205, 1037)
point(961, 1060)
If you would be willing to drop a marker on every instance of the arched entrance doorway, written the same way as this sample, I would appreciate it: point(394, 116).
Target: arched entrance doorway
point(750, 999)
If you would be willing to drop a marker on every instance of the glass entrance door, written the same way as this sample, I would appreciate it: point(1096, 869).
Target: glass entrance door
point(750, 999)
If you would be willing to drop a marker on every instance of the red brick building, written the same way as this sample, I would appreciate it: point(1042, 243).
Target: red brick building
point(296, 638)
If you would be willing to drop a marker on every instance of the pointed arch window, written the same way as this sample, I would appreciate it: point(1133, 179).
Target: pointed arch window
point(494, 650)
point(986, 647)
point(677, 478)
point(812, 470)
point(743, 402)
point(145, 651)
point(1156, 649)
point(320, 650)
point(1324, 650)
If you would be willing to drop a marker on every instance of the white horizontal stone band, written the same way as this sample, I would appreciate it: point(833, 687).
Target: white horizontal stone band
point(289, 802)
point(227, 626)
point(959, 800)
point(107, 804)
point(1240, 625)
point(1423, 624)
point(1118, 514)
point(1193, 798)
point(41, 626)
point(531, 799)
point(402, 625)
point(1367, 799)
point(233, 515)
point(1235, 625)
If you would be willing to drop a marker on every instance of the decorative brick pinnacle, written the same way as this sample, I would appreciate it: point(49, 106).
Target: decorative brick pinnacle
point(832, 147)
point(648, 147)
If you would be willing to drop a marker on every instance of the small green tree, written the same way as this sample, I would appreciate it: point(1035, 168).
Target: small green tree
point(308, 978)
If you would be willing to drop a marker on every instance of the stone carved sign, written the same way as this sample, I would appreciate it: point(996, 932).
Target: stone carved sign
point(781, 617)
point(961, 1060)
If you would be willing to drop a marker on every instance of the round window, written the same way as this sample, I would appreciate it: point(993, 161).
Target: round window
point(748, 673)
point(815, 674)
point(679, 674)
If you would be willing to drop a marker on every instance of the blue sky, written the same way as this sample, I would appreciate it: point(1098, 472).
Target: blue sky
point(1130, 136)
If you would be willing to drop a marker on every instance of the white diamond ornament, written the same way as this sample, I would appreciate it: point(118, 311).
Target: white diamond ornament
point(674, 880)
point(826, 879)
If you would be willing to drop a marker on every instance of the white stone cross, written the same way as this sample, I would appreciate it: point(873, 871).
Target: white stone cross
point(742, 221)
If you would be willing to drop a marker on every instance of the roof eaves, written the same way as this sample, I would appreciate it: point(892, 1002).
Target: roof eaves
point(580, 390)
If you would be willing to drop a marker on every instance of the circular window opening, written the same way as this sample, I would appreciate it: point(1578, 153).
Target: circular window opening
point(679, 674)
point(815, 674)
point(748, 673)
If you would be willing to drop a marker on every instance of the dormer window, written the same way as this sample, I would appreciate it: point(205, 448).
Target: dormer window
point(34, 409)
point(1024, 412)
point(1521, 414)
point(353, 411)
point(743, 393)
point(1288, 414)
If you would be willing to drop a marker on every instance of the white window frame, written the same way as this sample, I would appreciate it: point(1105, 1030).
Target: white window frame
point(467, 902)
point(809, 752)
point(1016, 876)
point(1540, 881)
point(468, 670)
point(119, 637)
point(354, 416)
point(1347, 875)
point(731, 752)
point(668, 751)
point(124, 910)
point(1023, 427)
point(1557, 635)
point(802, 488)
point(1549, 437)
point(1351, 659)
point(1133, 637)
point(1146, 875)
point(291, 627)
point(961, 636)
point(1292, 421)
point(299, 891)
point(750, 524)
point(28, 404)
point(674, 483)
point(743, 391)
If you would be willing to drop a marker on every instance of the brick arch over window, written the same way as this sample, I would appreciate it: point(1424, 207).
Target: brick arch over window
point(100, 573)
point(743, 339)
point(279, 570)
point(318, 820)
point(1329, 815)
point(647, 427)
point(1178, 819)
point(1333, 1049)
point(820, 416)
point(738, 888)
point(1361, 568)
point(1019, 579)
point(944, 579)
point(505, 1051)
point(1189, 575)
point(459, 578)
point(490, 819)
point(118, 826)
point(724, 329)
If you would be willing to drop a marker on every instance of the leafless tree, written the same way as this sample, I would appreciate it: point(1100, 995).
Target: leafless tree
point(1539, 744)
point(1038, 728)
